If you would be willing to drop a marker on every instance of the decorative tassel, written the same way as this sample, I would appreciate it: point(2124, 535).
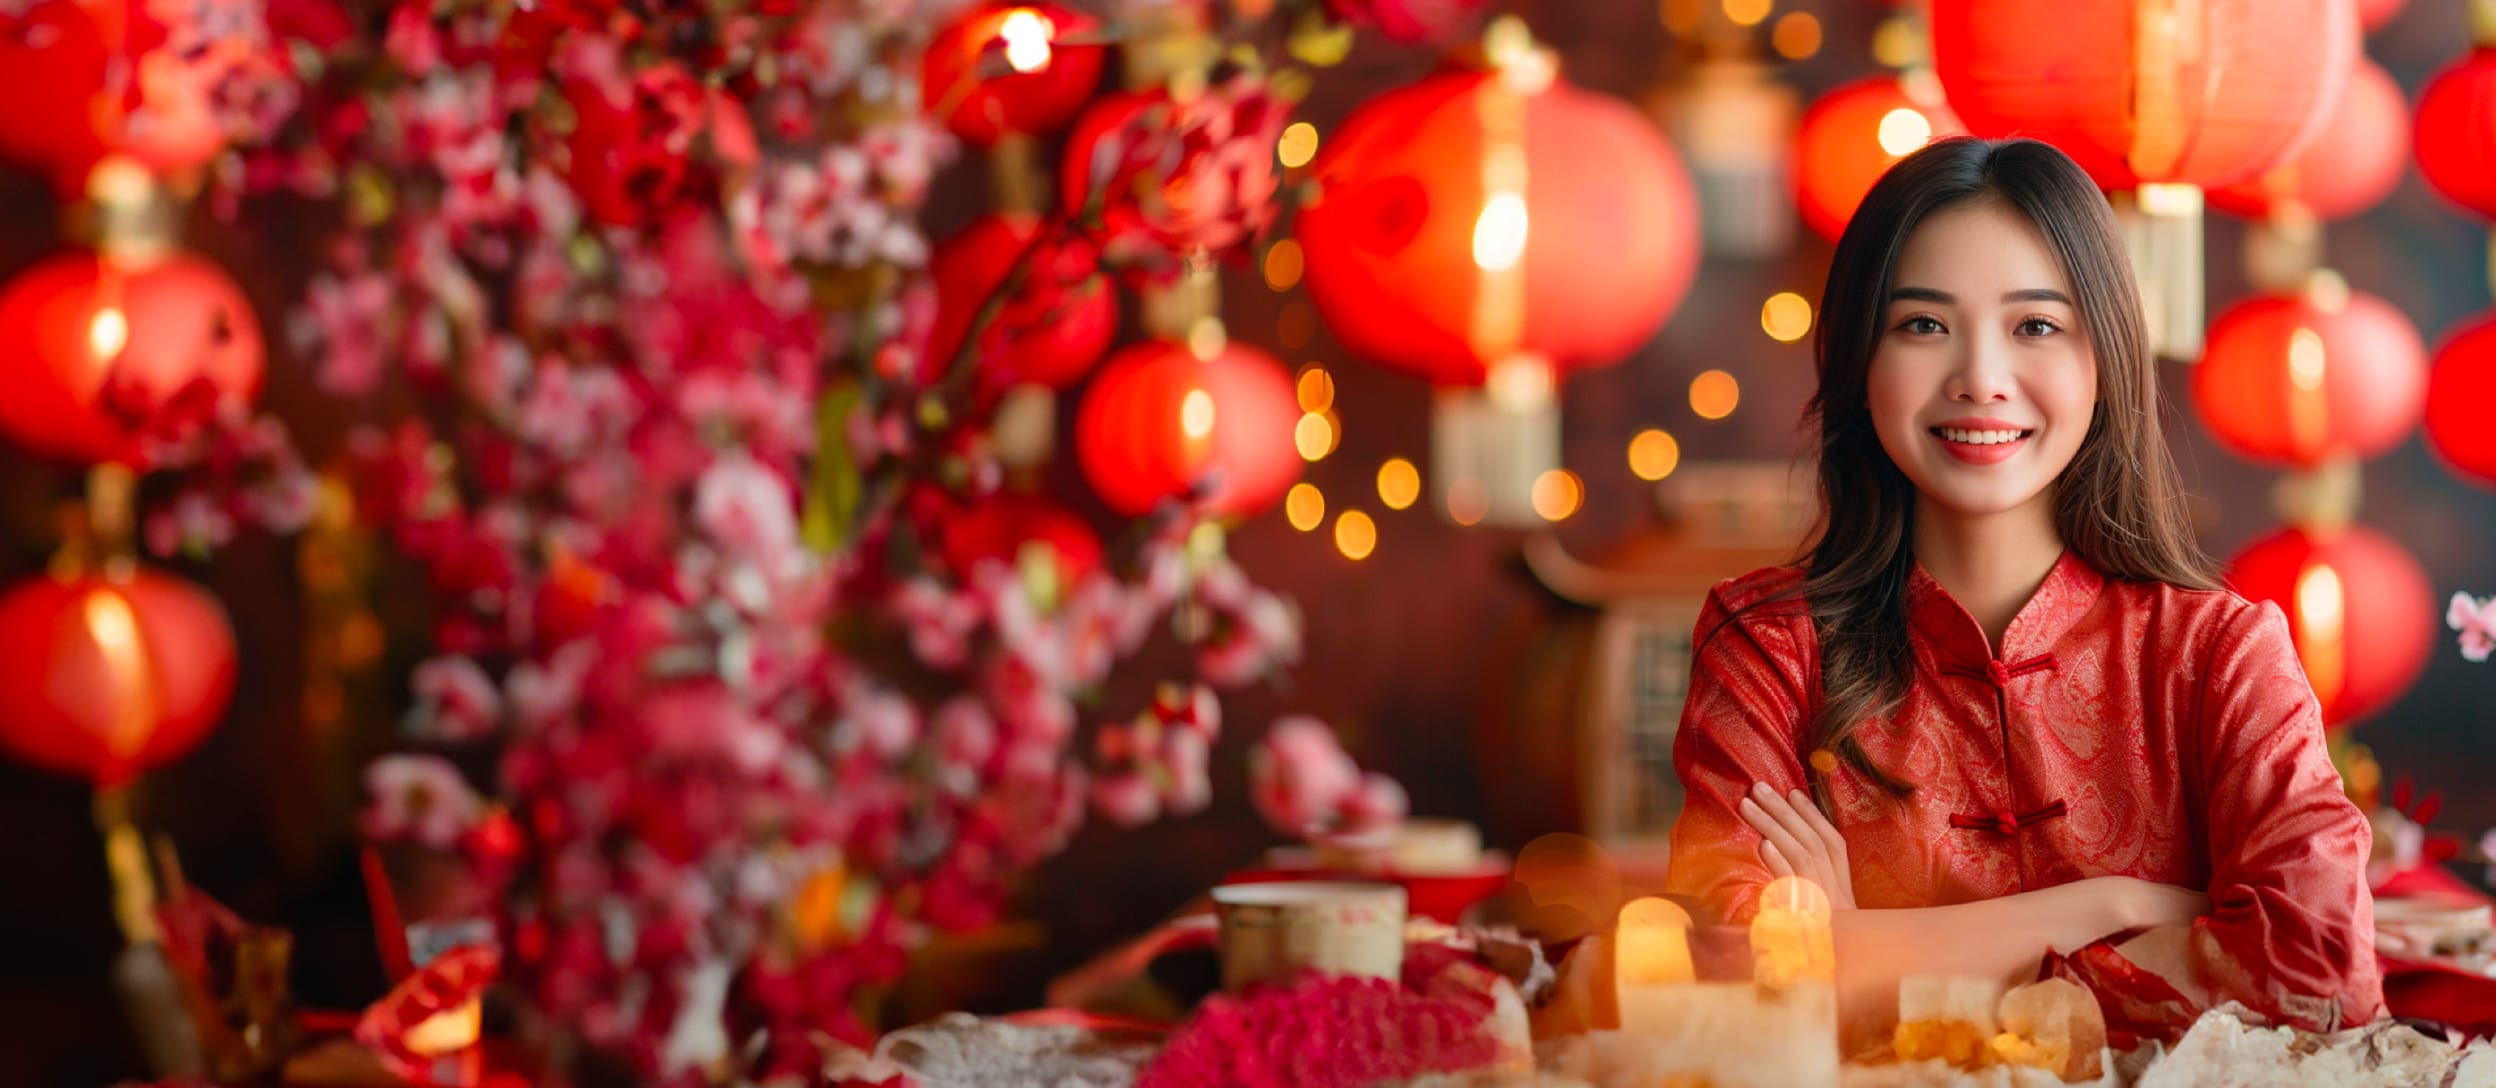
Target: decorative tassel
point(1489, 445)
point(2283, 250)
point(2162, 229)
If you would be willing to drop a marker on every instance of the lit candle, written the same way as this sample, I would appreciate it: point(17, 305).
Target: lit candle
point(1791, 939)
point(1730, 1034)
point(1651, 972)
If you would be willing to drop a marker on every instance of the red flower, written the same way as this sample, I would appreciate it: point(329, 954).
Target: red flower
point(1408, 20)
point(1172, 179)
point(1327, 1032)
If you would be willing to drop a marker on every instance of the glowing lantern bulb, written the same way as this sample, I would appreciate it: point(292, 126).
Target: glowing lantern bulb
point(1026, 35)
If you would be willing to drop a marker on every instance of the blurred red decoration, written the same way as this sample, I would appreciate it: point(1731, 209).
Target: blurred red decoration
point(2352, 165)
point(1172, 176)
point(999, 528)
point(1853, 135)
point(1408, 20)
point(2460, 389)
point(1159, 423)
point(429, 1028)
point(1611, 229)
point(2361, 611)
point(98, 355)
point(106, 677)
point(1056, 324)
point(2236, 87)
point(91, 79)
point(2295, 380)
point(2457, 131)
point(630, 151)
point(1001, 69)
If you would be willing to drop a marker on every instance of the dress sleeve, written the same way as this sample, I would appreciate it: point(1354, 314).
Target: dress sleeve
point(1741, 723)
point(2291, 930)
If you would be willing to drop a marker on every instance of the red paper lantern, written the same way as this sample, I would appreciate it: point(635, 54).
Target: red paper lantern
point(2293, 380)
point(1159, 423)
point(107, 677)
point(1853, 135)
point(91, 79)
point(2459, 390)
point(2352, 165)
point(2362, 614)
point(1004, 69)
point(1051, 331)
point(2241, 89)
point(95, 354)
point(1611, 229)
point(1000, 528)
point(2457, 131)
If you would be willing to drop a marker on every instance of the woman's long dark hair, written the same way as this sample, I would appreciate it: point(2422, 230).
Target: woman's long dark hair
point(2120, 503)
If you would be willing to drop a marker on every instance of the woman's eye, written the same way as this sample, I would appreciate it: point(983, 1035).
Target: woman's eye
point(2038, 326)
point(1920, 326)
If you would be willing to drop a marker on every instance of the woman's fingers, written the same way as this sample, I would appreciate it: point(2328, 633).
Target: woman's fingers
point(1774, 858)
point(1799, 854)
point(1795, 825)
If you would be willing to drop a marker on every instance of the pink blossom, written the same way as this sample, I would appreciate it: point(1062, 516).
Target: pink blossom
point(1188, 787)
point(542, 694)
point(940, 622)
point(1299, 776)
point(2476, 620)
point(1127, 798)
point(420, 798)
point(1262, 636)
point(343, 319)
point(1379, 802)
point(193, 522)
point(1194, 708)
point(455, 699)
point(880, 722)
point(966, 735)
point(747, 509)
point(1026, 705)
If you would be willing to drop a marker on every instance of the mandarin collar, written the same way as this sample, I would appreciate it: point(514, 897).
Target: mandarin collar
point(1955, 637)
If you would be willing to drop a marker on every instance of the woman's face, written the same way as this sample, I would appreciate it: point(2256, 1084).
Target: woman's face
point(1983, 383)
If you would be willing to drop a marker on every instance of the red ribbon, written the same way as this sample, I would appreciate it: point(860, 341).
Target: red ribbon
point(449, 982)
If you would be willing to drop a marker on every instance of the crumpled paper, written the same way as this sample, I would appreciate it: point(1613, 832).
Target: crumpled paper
point(2229, 1048)
point(959, 1050)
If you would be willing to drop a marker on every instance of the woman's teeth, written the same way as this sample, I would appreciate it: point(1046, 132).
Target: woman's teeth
point(1980, 438)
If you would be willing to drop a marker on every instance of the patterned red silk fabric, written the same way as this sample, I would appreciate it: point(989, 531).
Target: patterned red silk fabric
point(2125, 729)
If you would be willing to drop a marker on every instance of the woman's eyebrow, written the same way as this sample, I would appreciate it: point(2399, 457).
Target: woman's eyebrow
point(2038, 294)
point(1945, 298)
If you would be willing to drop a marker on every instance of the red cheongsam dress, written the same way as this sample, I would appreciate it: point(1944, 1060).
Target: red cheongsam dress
point(2124, 728)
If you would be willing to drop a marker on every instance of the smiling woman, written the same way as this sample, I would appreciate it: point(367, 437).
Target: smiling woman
point(2001, 707)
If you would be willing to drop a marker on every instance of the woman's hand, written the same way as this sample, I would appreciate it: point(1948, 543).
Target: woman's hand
point(1796, 840)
